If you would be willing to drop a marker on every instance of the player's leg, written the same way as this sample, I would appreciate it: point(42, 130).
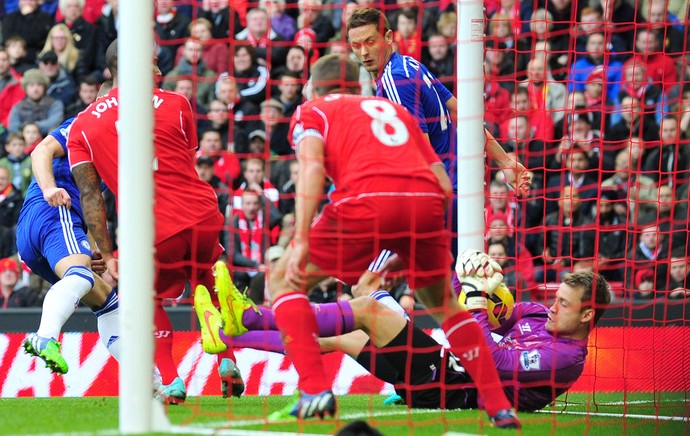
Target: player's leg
point(296, 321)
point(206, 250)
point(104, 303)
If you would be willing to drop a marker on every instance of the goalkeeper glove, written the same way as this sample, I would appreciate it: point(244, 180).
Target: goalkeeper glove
point(478, 289)
point(475, 262)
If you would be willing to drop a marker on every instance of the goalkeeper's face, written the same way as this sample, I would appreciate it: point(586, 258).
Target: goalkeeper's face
point(568, 316)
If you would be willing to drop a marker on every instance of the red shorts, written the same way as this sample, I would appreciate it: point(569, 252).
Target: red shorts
point(188, 256)
point(349, 234)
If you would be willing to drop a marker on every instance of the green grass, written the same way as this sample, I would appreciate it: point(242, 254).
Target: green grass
point(576, 414)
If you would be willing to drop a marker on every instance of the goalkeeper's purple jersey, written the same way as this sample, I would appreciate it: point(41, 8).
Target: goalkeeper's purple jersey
point(534, 365)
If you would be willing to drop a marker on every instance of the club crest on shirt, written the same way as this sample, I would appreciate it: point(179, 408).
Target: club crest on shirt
point(85, 244)
point(530, 360)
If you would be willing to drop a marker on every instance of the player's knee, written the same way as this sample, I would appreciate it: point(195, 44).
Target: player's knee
point(363, 309)
point(82, 278)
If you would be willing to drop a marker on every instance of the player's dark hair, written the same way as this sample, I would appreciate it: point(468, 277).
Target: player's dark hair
point(596, 293)
point(111, 58)
point(367, 16)
point(335, 73)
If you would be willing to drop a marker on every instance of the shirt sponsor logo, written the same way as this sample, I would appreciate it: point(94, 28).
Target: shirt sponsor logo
point(530, 360)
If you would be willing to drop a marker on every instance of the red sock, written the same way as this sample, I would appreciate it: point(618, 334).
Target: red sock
point(468, 343)
point(296, 322)
point(229, 354)
point(163, 339)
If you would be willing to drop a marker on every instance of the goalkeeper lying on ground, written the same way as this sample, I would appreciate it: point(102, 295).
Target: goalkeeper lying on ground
point(542, 352)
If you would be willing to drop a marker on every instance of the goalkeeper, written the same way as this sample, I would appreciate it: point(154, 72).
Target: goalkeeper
point(541, 355)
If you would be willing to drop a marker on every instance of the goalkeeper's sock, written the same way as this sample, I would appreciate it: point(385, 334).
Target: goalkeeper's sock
point(387, 300)
point(266, 340)
point(107, 316)
point(297, 323)
point(163, 338)
point(467, 342)
point(332, 318)
point(62, 298)
point(227, 354)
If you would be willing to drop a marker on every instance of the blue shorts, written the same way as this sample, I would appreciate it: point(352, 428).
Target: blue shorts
point(46, 235)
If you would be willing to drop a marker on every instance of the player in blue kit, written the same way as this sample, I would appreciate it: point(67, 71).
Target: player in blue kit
point(52, 241)
point(408, 82)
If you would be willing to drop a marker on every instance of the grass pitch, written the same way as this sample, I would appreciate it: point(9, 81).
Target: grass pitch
point(574, 414)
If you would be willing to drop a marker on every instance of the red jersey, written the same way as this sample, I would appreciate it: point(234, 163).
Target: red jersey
point(372, 145)
point(181, 198)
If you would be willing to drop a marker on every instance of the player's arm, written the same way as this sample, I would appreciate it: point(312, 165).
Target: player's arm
point(516, 174)
point(42, 166)
point(89, 183)
point(310, 185)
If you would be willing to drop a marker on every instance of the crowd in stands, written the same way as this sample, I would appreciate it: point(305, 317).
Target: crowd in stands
point(593, 96)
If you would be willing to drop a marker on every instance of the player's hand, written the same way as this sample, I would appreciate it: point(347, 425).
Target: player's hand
point(475, 262)
point(475, 295)
point(518, 178)
point(295, 276)
point(112, 268)
point(97, 262)
point(57, 197)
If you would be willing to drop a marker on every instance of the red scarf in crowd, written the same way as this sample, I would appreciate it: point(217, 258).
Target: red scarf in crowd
point(251, 236)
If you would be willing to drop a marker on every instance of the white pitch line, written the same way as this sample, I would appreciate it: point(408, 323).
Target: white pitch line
point(619, 415)
point(623, 403)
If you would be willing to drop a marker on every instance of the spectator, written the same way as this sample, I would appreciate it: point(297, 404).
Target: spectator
point(597, 108)
point(501, 66)
point(266, 42)
point(591, 20)
point(311, 16)
point(611, 235)
point(106, 32)
point(36, 107)
point(547, 97)
point(576, 173)
point(670, 216)
point(669, 163)
point(286, 204)
point(447, 25)
point(568, 237)
point(11, 202)
point(500, 232)
point(647, 257)
point(590, 59)
point(217, 119)
point(61, 85)
point(661, 68)
point(306, 38)
point(250, 238)
point(407, 39)
point(83, 35)
point(678, 284)
point(171, 27)
point(227, 166)
point(684, 109)
point(12, 295)
point(226, 20)
point(528, 149)
point(660, 21)
point(636, 83)
point(622, 15)
point(17, 162)
point(632, 123)
point(289, 92)
point(441, 61)
point(636, 190)
point(31, 24)
point(541, 126)
point(7, 75)
point(88, 91)
point(244, 112)
point(251, 78)
point(16, 51)
point(296, 62)
point(61, 42)
point(192, 66)
point(257, 142)
point(205, 167)
point(276, 125)
point(32, 136)
point(215, 53)
point(501, 201)
point(256, 181)
point(281, 22)
point(498, 251)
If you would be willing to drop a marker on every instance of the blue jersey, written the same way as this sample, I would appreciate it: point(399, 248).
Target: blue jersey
point(46, 234)
point(62, 174)
point(409, 83)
